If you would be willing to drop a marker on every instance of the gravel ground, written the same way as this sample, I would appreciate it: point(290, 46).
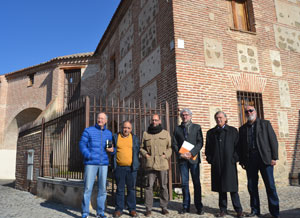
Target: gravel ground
point(15, 203)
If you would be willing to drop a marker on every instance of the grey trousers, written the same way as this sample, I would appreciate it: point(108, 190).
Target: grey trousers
point(163, 183)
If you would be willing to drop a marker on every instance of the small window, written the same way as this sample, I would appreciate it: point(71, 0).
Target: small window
point(113, 73)
point(30, 160)
point(242, 15)
point(249, 98)
point(30, 80)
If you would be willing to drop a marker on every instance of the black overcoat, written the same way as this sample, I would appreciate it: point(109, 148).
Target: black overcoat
point(223, 158)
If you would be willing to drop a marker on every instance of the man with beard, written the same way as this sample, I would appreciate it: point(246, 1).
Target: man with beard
point(258, 151)
point(156, 150)
point(191, 133)
point(221, 153)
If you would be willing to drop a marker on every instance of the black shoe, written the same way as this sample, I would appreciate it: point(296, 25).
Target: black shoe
point(200, 212)
point(184, 210)
point(252, 214)
point(164, 211)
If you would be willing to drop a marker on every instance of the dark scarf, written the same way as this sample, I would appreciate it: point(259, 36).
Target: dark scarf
point(154, 129)
point(186, 127)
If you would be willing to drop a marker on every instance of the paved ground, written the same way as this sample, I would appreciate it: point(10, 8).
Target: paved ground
point(19, 204)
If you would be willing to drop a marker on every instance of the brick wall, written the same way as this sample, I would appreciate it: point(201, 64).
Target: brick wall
point(201, 86)
point(26, 142)
point(202, 66)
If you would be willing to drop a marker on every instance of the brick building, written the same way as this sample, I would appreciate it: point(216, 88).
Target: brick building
point(209, 55)
point(205, 55)
point(31, 93)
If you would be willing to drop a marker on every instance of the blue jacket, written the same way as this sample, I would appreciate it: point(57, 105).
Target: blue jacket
point(135, 151)
point(93, 144)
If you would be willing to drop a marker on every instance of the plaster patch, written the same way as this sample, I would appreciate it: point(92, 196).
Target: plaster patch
point(276, 63)
point(150, 95)
point(287, 39)
point(150, 67)
point(126, 42)
point(126, 87)
point(284, 93)
point(213, 53)
point(148, 40)
point(287, 13)
point(248, 59)
point(125, 65)
point(283, 124)
point(211, 16)
point(147, 14)
point(90, 70)
point(125, 22)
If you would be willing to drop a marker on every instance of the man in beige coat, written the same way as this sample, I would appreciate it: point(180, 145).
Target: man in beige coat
point(156, 149)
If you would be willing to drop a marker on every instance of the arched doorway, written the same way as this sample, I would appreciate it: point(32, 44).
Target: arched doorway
point(8, 154)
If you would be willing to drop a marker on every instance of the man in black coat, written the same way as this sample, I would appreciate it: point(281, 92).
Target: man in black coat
point(221, 153)
point(189, 160)
point(258, 151)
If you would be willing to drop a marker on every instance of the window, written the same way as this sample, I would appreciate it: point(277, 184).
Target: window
point(30, 159)
point(72, 85)
point(249, 98)
point(112, 68)
point(242, 15)
point(30, 80)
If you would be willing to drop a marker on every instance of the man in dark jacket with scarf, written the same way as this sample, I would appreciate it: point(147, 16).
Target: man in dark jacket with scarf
point(93, 148)
point(221, 153)
point(258, 151)
point(189, 161)
point(156, 151)
point(126, 163)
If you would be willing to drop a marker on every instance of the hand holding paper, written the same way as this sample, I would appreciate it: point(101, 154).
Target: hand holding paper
point(186, 148)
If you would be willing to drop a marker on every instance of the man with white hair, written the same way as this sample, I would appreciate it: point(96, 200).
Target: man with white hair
point(258, 151)
point(221, 153)
point(189, 133)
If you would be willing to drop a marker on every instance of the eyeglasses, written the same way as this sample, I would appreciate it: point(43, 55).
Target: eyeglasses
point(250, 110)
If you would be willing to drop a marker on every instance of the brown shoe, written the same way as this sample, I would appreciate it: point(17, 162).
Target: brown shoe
point(117, 214)
point(164, 211)
point(133, 213)
point(221, 214)
point(240, 214)
point(148, 213)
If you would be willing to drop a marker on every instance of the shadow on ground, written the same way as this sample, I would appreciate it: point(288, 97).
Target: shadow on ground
point(61, 208)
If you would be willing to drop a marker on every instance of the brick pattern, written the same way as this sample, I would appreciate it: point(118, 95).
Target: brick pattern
point(26, 143)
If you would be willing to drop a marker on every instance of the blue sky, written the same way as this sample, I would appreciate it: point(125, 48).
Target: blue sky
point(35, 31)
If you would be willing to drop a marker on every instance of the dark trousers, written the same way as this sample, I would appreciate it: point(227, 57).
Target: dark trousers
point(125, 176)
point(163, 184)
point(235, 198)
point(256, 164)
point(195, 172)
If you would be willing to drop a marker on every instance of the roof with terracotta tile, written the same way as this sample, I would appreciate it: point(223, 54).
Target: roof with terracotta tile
point(65, 57)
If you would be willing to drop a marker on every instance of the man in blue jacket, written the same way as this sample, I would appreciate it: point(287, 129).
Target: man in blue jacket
point(126, 163)
point(93, 148)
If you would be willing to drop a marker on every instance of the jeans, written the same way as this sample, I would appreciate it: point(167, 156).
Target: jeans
point(125, 176)
point(195, 172)
point(163, 184)
point(90, 173)
point(256, 164)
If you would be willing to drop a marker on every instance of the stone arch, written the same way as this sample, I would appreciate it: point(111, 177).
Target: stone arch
point(8, 153)
point(12, 130)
